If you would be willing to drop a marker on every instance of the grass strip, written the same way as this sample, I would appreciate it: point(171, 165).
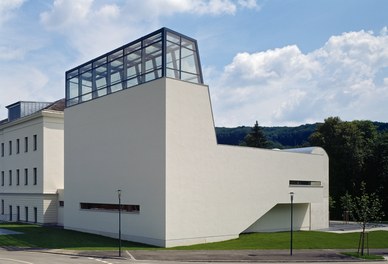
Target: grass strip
point(35, 236)
point(301, 240)
point(365, 256)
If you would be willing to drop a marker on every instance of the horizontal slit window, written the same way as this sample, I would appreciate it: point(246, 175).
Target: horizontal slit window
point(110, 207)
point(305, 183)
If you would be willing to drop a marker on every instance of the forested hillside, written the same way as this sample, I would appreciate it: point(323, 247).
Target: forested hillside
point(280, 137)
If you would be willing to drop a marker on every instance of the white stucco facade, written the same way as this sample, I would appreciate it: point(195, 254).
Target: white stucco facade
point(156, 142)
point(31, 167)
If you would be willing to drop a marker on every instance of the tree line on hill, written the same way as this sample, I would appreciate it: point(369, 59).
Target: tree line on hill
point(357, 150)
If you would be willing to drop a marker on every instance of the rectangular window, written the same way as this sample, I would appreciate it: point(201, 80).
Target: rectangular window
point(17, 177)
point(10, 148)
point(26, 144)
point(10, 213)
point(17, 146)
point(2, 149)
point(35, 142)
point(10, 177)
point(35, 215)
point(26, 213)
point(25, 176)
point(305, 183)
point(18, 213)
point(61, 203)
point(35, 176)
point(2, 207)
point(2, 178)
point(110, 207)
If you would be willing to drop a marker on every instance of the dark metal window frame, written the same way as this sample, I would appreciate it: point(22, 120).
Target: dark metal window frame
point(150, 55)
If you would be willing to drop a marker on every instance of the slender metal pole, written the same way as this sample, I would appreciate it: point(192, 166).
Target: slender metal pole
point(292, 220)
point(119, 196)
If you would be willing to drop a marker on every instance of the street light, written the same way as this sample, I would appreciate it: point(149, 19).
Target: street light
point(119, 196)
point(292, 218)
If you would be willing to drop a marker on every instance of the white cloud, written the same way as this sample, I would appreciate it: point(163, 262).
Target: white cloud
point(7, 7)
point(251, 4)
point(66, 14)
point(345, 77)
point(22, 82)
point(92, 27)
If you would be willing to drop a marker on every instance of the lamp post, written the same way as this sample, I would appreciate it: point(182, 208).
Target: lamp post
point(292, 218)
point(119, 196)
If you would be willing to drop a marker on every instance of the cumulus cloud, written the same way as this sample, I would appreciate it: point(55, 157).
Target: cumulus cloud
point(347, 76)
point(92, 27)
point(7, 7)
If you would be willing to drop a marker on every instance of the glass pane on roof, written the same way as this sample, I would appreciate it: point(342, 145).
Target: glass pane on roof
point(153, 75)
point(133, 47)
point(190, 77)
point(173, 56)
point(133, 82)
point(102, 70)
point(116, 64)
point(102, 91)
point(188, 44)
point(72, 74)
point(116, 71)
point(86, 85)
point(72, 87)
point(173, 38)
point(153, 48)
point(99, 62)
point(189, 61)
point(86, 67)
point(116, 55)
point(134, 57)
point(133, 70)
point(153, 61)
point(152, 39)
point(172, 73)
point(116, 87)
point(100, 83)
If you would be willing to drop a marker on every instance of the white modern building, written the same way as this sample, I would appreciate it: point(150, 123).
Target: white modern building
point(31, 163)
point(139, 119)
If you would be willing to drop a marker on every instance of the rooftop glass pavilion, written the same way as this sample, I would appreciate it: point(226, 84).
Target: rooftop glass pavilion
point(163, 53)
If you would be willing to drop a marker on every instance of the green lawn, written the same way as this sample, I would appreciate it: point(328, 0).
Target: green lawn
point(301, 240)
point(48, 237)
point(45, 237)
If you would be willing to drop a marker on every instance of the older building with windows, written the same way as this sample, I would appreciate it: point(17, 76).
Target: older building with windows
point(31, 163)
point(139, 120)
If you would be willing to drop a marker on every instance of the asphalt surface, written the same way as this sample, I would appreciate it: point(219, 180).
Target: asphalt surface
point(229, 255)
point(324, 255)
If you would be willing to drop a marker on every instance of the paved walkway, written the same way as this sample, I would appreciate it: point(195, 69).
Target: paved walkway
point(8, 232)
point(260, 256)
point(351, 227)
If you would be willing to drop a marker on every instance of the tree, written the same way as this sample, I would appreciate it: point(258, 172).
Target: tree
point(365, 209)
point(256, 138)
point(349, 146)
point(377, 170)
point(347, 206)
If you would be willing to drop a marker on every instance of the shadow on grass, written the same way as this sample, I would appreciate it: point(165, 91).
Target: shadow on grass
point(34, 236)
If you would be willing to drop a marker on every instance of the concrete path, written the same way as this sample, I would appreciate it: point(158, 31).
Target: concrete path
point(8, 232)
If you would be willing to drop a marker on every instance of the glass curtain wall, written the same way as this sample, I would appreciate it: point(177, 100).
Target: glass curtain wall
point(163, 53)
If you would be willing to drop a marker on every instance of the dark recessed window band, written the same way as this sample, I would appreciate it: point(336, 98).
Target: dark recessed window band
point(110, 207)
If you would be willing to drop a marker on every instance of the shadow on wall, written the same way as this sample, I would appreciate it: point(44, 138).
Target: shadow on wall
point(279, 219)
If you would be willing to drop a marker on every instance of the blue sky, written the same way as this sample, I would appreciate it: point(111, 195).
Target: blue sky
point(280, 62)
